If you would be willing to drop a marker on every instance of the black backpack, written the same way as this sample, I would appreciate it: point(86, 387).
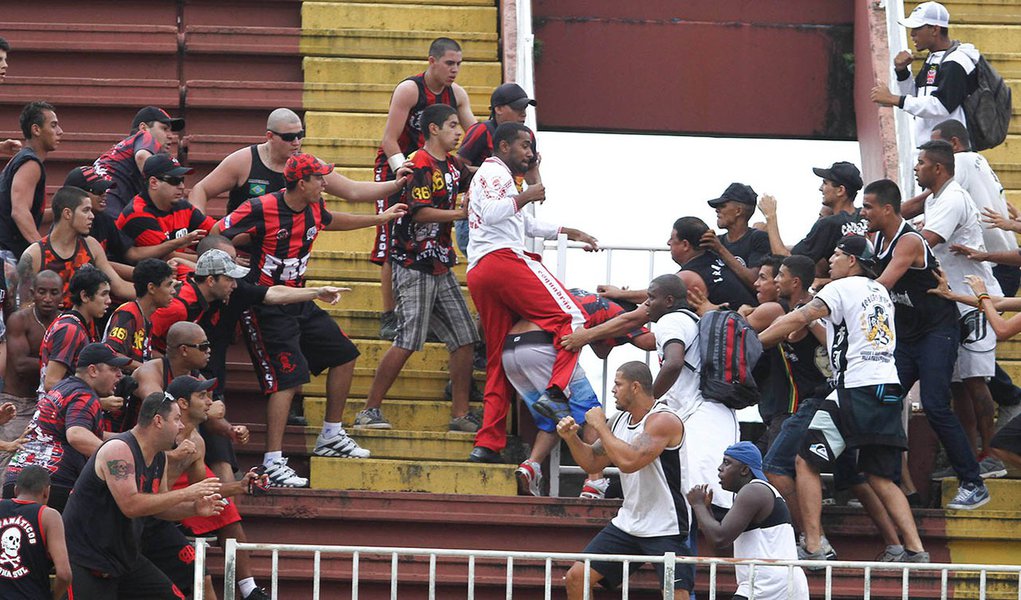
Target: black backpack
point(729, 348)
point(988, 109)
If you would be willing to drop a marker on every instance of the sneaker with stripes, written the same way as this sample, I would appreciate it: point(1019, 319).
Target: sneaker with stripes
point(280, 475)
point(339, 446)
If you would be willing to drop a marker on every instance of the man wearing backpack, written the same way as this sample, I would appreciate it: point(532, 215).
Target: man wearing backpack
point(946, 78)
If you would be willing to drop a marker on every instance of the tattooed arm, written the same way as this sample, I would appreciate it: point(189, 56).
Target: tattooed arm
point(793, 321)
point(662, 430)
point(591, 457)
point(116, 466)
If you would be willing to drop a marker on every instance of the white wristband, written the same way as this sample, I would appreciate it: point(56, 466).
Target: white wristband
point(396, 161)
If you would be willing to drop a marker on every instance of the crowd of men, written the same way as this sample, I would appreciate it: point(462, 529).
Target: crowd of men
point(119, 417)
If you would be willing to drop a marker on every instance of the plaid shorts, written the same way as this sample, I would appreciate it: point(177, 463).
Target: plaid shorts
point(427, 302)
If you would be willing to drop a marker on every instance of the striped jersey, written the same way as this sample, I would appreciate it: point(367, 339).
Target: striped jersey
point(282, 238)
point(65, 267)
point(412, 138)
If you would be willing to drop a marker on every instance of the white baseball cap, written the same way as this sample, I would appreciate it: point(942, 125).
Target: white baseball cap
point(927, 13)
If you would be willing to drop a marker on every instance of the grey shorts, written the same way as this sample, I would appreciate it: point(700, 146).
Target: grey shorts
point(426, 302)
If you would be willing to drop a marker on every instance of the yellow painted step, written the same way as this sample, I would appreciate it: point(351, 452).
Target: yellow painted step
point(359, 125)
point(431, 2)
point(397, 444)
point(989, 12)
point(1008, 151)
point(347, 152)
point(357, 240)
point(375, 97)
point(408, 415)
point(409, 45)
point(349, 265)
point(413, 476)
point(1005, 495)
point(365, 295)
point(432, 358)
point(449, 21)
point(1009, 174)
point(363, 71)
point(426, 384)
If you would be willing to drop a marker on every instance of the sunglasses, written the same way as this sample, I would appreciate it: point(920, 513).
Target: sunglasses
point(203, 347)
point(289, 137)
point(171, 179)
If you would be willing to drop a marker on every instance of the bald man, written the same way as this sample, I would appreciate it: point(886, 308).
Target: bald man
point(258, 169)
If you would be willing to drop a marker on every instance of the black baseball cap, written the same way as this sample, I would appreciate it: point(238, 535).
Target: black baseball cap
point(155, 113)
point(736, 192)
point(97, 353)
point(86, 178)
point(183, 386)
point(510, 94)
point(861, 248)
point(161, 164)
point(842, 173)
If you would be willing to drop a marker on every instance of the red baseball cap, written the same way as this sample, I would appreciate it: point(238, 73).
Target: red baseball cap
point(301, 166)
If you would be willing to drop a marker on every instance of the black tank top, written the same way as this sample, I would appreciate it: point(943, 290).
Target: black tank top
point(723, 284)
point(10, 236)
point(99, 536)
point(261, 181)
point(24, 562)
point(917, 312)
point(168, 373)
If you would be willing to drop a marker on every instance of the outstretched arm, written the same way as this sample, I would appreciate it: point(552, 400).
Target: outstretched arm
point(793, 321)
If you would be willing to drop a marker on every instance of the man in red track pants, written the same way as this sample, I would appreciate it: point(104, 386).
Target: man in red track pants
point(507, 283)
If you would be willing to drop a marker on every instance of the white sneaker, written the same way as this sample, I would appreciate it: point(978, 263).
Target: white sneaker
point(529, 476)
point(339, 446)
point(280, 475)
point(595, 489)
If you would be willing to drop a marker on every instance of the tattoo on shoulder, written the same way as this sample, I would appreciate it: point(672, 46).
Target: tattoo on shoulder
point(598, 449)
point(120, 469)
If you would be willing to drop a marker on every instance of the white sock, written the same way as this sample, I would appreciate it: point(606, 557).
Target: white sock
point(246, 586)
point(269, 457)
point(331, 429)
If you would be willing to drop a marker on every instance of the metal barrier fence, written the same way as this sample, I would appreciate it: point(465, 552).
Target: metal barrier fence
point(706, 567)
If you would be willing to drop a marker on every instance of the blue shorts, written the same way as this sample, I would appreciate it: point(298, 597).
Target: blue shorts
point(612, 540)
point(779, 458)
point(528, 362)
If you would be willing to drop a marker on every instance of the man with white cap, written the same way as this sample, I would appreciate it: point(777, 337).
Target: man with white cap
point(946, 78)
point(758, 525)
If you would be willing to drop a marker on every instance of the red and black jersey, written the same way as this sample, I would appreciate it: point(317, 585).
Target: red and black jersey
point(435, 183)
point(188, 305)
point(147, 225)
point(64, 339)
point(411, 137)
point(71, 403)
point(127, 332)
point(118, 165)
point(599, 310)
point(282, 237)
point(65, 267)
point(477, 144)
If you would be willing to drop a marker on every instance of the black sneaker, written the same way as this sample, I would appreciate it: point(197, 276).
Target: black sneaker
point(258, 594)
point(552, 404)
point(481, 454)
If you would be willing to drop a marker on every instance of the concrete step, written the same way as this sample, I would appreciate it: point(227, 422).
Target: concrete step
point(347, 265)
point(1009, 174)
point(409, 415)
point(358, 240)
point(372, 97)
point(374, 43)
point(347, 152)
point(998, 37)
point(413, 476)
point(365, 295)
point(389, 72)
point(415, 2)
point(450, 21)
point(358, 125)
point(1005, 496)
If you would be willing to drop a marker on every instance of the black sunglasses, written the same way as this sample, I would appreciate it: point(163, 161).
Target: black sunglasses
point(171, 179)
point(289, 137)
point(203, 347)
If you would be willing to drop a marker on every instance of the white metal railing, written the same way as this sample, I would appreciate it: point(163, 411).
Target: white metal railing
point(898, 41)
point(974, 575)
point(561, 245)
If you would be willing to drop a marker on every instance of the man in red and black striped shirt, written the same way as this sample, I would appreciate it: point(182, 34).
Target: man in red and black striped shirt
point(299, 338)
point(75, 329)
point(159, 213)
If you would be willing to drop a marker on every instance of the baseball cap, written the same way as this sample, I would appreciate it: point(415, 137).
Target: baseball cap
point(738, 192)
point(97, 353)
point(301, 166)
point(861, 248)
point(749, 454)
point(183, 386)
point(510, 94)
point(218, 262)
point(155, 113)
point(161, 164)
point(927, 13)
point(86, 178)
point(842, 173)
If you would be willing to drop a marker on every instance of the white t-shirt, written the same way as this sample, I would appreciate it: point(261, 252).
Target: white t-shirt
point(973, 173)
point(684, 395)
point(951, 214)
point(860, 333)
point(494, 220)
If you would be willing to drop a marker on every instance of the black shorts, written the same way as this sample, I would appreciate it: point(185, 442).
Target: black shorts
point(219, 448)
point(143, 580)
point(614, 541)
point(168, 549)
point(824, 449)
point(381, 245)
point(1009, 436)
point(296, 340)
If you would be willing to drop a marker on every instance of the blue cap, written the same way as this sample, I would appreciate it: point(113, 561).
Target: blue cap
point(749, 454)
